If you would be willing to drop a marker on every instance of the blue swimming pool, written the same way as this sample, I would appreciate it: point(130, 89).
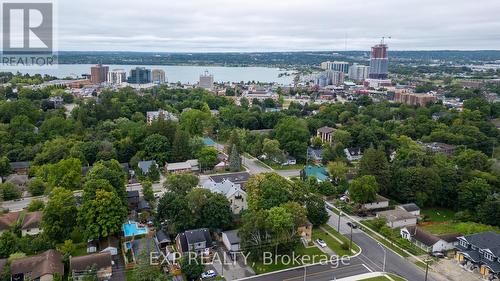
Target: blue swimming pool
point(132, 229)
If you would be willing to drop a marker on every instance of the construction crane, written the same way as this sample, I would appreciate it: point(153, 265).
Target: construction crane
point(383, 39)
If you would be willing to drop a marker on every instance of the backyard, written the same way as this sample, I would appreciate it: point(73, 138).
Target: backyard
point(441, 221)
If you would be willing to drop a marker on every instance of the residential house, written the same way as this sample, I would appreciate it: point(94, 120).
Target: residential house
point(325, 134)
point(133, 200)
point(233, 192)
point(481, 252)
point(101, 262)
point(20, 181)
point(410, 208)
point(32, 223)
point(92, 246)
point(380, 203)
point(160, 114)
point(315, 155)
point(196, 240)
point(41, 267)
point(189, 166)
point(438, 147)
point(427, 241)
point(145, 166)
point(109, 244)
point(20, 167)
point(162, 239)
point(8, 220)
point(289, 160)
point(143, 205)
point(398, 218)
point(353, 154)
point(305, 231)
point(231, 240)
point(240, 178)
point(318, 172)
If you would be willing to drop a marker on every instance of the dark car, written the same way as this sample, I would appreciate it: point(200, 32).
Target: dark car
point(352, 225)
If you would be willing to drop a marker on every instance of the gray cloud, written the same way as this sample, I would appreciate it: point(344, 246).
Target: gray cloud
point(275, 25)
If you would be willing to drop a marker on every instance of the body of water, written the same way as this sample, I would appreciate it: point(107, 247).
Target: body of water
point(181, 73)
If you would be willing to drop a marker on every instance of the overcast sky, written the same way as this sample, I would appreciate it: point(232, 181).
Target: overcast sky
point(276, 25)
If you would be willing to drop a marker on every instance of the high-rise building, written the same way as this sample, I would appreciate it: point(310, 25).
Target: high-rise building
point(139, 75)
point(98, 74)
point(358, 72)
point(326, 65)
point(341, 66)
point(379, 62)
point(158, 76)
point(415, 98)
point(117, 76)
point(338, 78)
point(206, 81)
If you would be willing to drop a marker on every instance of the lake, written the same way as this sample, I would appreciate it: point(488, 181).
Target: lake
point(182, 73)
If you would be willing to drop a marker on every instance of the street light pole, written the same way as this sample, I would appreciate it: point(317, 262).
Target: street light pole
point(305, 272)
point(338, 223)
point(385, 256)
point(426, 269)
point(350, 242)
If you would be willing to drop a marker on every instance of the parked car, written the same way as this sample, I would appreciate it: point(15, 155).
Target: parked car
point(438, 255)
point(321, 243)
point(208, 274)
point(352, 225)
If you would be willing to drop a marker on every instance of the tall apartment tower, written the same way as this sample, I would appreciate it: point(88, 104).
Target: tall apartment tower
point(379, 62)
point(341, 66)
point(117, 76)
point(206, 81)
point(99, 74)
point(358, 72)
point(139, 75)
point(158, 76)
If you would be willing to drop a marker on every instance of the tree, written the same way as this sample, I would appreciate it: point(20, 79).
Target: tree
point(113, 172)
point(36, 187)
point(298, 212)
point(180, 148)
point(102, 216)
point(489, 211)
point(208, 158)
point(316, 212)
point(415, 184)
point(265, 191)
point(181, 183)
point(10, 191)
point(92, 185)
point(157, 147)
point(216, 212)
point(4, 166)
point(194, 121)
point(469, 160)
point(338, 170)
point(35, 205)
point(66, 173)
point(153, 173)
point(234, 160)
point(174, 208)
point(192, 266)
point(147, 191)
point(144, 271)
point(374, 162)
point(293, 135)
point(67, 249)
point(473, 193)
point(271, 148)
point(364, 189)
point(59, 216)
point(8, 244)
point(281, 223)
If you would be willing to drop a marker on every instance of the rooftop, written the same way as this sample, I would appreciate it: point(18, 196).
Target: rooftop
point(396, 215)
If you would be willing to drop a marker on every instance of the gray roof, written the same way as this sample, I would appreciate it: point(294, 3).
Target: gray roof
point(315, 154)
point(396, 215)
point(198, 235)
point(145, 165)
point(83, 263)
point(19, 165)
point(162, 237)
point(486, 240)
point(410, 207)
point(232, 236)
point(326, 130)
point(240, 177)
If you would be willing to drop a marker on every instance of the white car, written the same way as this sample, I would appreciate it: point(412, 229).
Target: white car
point(321, 243)
point(208, 274)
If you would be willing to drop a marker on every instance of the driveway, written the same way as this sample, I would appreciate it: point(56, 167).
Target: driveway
point(118, 269)
point(232, 270)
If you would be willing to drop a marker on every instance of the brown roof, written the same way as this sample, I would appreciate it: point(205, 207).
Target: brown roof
point(422, 236)
point(48, 262)
point(83, 263)
point(110, 241)
point(396, 215)
point(450, 237)
point(32, 220)
point(7, 220)
point(326, 130)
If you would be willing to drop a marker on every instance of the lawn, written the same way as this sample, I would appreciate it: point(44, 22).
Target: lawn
point(438, 214)
point(465, 228)
point(341, 237)
point(384, 278)
point(313, 251)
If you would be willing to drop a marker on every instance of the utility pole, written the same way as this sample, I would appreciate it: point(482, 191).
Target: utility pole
point(350, 242)
point(305, 272)
point(426, 269)
point(385, 256)
point(338, 223)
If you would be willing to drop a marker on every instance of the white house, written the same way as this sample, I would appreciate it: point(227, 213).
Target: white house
point(398, 218)
point(231, 240)
point(410, 208)
point(379, 203)
point(428, 241)
point(188, 166)
point(31, 224)
point(233, 192)
point(353, 154)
